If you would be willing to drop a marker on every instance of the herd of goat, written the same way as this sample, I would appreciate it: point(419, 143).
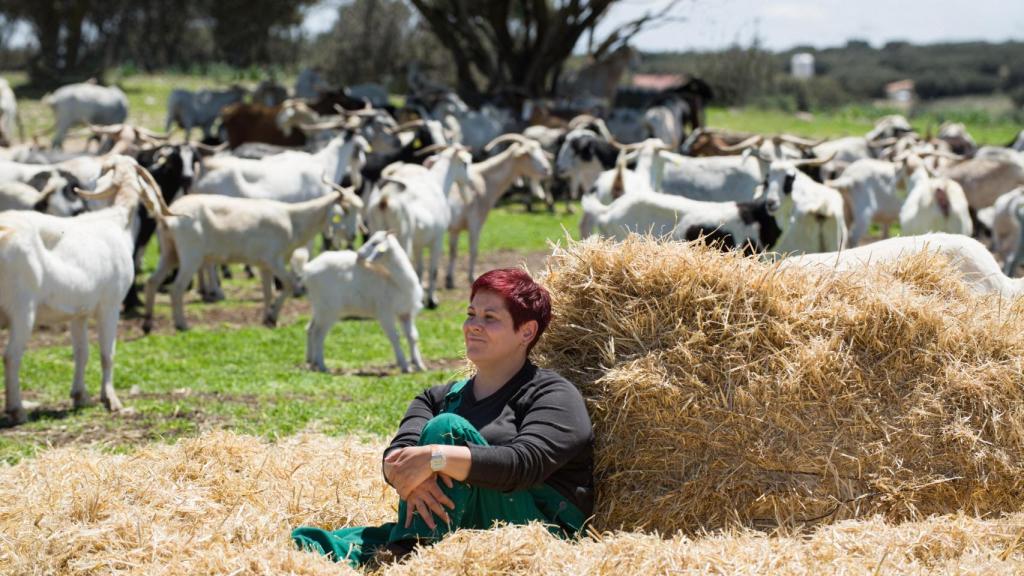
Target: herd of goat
point(333, 163)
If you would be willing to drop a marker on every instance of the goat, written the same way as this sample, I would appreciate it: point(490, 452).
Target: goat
point(85, 103)
point(870, 191)
point(376, 282)
point(57, 196)
point(173, 169)
point(749, 226)
point(934, 204)
point(984, 180)
point(975, 264)
point(8, 114)
point(70, 269)
point(809, 214)
point(412, 204)
point(199, 109)
point(1008, 229)
point(488, 181)
point(208, 229)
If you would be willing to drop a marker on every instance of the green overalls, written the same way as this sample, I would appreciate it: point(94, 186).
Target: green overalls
point(477, 508)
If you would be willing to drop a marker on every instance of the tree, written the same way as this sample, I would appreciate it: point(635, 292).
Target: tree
point(523, 44)
point(247, 31)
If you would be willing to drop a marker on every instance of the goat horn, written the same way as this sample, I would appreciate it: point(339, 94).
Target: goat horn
point(510, 137)
point(108, 129)
point(154, 189)
point(752, 141)
point(603, 130)
point(815, 161)
point(406, 126)
point(151, 134)
point(884, 142)
point(430, 149)
point(581, 120)
point(100, 194)
point(330, 125)
point(798, 141)
point(940, 154)
point(212, 149)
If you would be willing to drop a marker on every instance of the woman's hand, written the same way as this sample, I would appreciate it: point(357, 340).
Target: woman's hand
point(428, 500)
point(407, 468)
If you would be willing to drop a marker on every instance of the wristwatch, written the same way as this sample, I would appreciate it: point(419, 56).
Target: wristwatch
point(437, 459)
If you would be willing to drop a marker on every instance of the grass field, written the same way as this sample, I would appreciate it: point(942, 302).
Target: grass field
point(230, 372)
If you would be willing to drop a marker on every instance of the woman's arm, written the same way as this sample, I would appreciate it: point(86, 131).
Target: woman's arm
point(422, 408)
point(555, 429)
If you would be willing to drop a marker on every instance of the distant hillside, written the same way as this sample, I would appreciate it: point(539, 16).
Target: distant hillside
point(855, 72)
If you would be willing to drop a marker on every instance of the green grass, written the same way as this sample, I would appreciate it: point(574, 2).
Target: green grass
point(987, 126)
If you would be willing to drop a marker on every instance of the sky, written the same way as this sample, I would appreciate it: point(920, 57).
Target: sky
point(783, 24)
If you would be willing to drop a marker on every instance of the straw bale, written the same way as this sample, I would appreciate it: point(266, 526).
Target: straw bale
point(225, 504)
point(216, 504)
point(945, 544)
point(725, 392)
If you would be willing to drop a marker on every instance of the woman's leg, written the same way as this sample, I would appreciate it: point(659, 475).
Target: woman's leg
point(475, 507)
point(353, 545)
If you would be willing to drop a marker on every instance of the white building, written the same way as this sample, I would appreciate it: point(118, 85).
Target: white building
point(801, 65)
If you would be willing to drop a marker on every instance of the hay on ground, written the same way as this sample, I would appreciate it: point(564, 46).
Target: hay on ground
point(224, 504)
point(725, 392)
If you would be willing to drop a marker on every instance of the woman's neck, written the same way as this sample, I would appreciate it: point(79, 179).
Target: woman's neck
point(489, 379)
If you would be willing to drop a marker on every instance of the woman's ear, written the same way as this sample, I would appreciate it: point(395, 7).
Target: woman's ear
point(527, 331)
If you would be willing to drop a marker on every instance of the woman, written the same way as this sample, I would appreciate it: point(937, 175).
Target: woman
point(511, 444)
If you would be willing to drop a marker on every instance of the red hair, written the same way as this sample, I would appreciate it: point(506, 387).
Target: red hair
point(525, 299)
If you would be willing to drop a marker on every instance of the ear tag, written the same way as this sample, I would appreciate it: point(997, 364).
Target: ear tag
point(369, 149)
point(336, 219)
point(417, 143)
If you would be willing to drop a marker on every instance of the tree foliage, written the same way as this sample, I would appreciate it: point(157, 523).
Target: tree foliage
point(522, 44)
point(75, 39)
point(375, 41)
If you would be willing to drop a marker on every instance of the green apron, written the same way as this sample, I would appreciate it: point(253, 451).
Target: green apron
point(476, 508)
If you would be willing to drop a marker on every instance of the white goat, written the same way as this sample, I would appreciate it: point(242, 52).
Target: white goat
point(488, 181)
point(376, 282)
point(56, 198)
point(872, 189)
point(712, 178)
point(85, 103)
point(976, 265)
point(8, 114)
point(934, 204)
point(810, 214)
point(286, 177)
point(412, 203)
point(749, 226)
point(208, 229)
point(1008, 229)
point(70, 270)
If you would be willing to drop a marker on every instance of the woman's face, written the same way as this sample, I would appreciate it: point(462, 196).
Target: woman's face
point(490, 337)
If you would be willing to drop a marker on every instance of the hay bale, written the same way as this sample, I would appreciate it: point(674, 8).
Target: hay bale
point(225, 504)
point(217, 504)
point(727, 393)
point(944, 545)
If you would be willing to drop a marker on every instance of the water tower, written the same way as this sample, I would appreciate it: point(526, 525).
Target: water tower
point(801, 65)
